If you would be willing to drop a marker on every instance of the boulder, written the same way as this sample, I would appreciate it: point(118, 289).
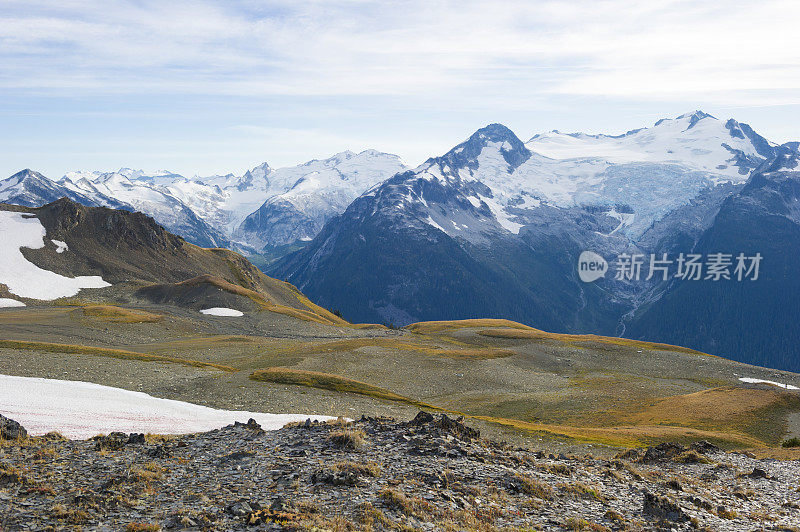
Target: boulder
point(662, 509)
point(11, 430)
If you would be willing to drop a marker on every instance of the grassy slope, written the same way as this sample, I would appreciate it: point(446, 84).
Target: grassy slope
point(585, 388)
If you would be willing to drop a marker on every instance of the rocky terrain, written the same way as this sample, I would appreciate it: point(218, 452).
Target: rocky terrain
point(431, 473)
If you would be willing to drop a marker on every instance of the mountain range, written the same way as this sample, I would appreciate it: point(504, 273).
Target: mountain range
point(495, 228)
point(265, 207)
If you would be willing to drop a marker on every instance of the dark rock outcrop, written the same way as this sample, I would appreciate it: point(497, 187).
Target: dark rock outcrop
point(11, 430)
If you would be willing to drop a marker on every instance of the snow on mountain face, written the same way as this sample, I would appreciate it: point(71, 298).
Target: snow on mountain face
point(22, 277)
point(647, 172)
point(32, 189)
point(302, 198)
point(696, 140)
point(292, 203)
point(142, 192)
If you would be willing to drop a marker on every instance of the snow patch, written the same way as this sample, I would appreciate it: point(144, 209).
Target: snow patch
point(10, 303)
point(25, 279)
point(83, 409)
point(751, 380)
point(222, 311)
point(430, 221)
point(503, 218)
point(61, 247)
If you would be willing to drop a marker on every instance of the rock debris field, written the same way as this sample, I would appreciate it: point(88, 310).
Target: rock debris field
point(430, 473)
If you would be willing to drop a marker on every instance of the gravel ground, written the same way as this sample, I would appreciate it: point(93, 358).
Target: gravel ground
point(431, 473)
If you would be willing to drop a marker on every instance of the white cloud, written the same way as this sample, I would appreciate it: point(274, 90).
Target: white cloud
point(615, 48)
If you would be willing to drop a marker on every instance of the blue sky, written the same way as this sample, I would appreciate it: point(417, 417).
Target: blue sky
point(215, 87)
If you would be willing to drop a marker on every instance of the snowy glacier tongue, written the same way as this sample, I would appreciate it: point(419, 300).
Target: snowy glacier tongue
point(83, 409)
point(25, 279)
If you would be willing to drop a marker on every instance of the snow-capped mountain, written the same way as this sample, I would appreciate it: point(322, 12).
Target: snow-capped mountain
point(636, 178)
point(495, 226)
point(31, 189)
point(145, 193)
point(264, 207)
point(302, 198)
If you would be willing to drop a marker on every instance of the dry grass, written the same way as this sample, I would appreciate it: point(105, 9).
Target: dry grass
point(556, 469)
point(326, 381)
point(106, 352)
point(363, 469)
point(425, 347)
point(70, 515)
point(395, 500)
point(429, 327)
point(352, 440)
point(634, 432)
point(530, 486)
point(715, 404)
point(114, 314)
point(535, 334)
point(583, 491)
point(627, 435)
point(578, 523)
point(313, 313)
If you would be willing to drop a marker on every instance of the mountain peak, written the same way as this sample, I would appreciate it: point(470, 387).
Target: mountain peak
point(695, 115)
point(27, 173)
point(511, 148)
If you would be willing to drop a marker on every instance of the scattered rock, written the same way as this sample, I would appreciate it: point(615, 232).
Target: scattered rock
point(252, 425)
point(334, 478)
point(431, 473)
point(663, 452)
point(661, 508)
point(705, 447)
point(11, 430)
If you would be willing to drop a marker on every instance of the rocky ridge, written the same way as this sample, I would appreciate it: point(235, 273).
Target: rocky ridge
point(432, 473)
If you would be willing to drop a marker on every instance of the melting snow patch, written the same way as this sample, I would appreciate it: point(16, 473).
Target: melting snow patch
point(84, 409)
point(430, 221)
point(502, 217)
point(25, 279)
point(61, 247)
point(751, 380)
point(8, 303)
point(222, 311)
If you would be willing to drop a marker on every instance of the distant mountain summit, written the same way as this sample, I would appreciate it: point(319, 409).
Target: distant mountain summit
point(302, 198)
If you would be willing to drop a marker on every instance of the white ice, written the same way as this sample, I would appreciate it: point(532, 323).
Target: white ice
point(751, 380)
point(9, 303)
point(25, 279)
point(83, 409)
point(222, 311)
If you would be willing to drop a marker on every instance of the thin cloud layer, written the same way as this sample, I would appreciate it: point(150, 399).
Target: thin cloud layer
point(611, 48)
